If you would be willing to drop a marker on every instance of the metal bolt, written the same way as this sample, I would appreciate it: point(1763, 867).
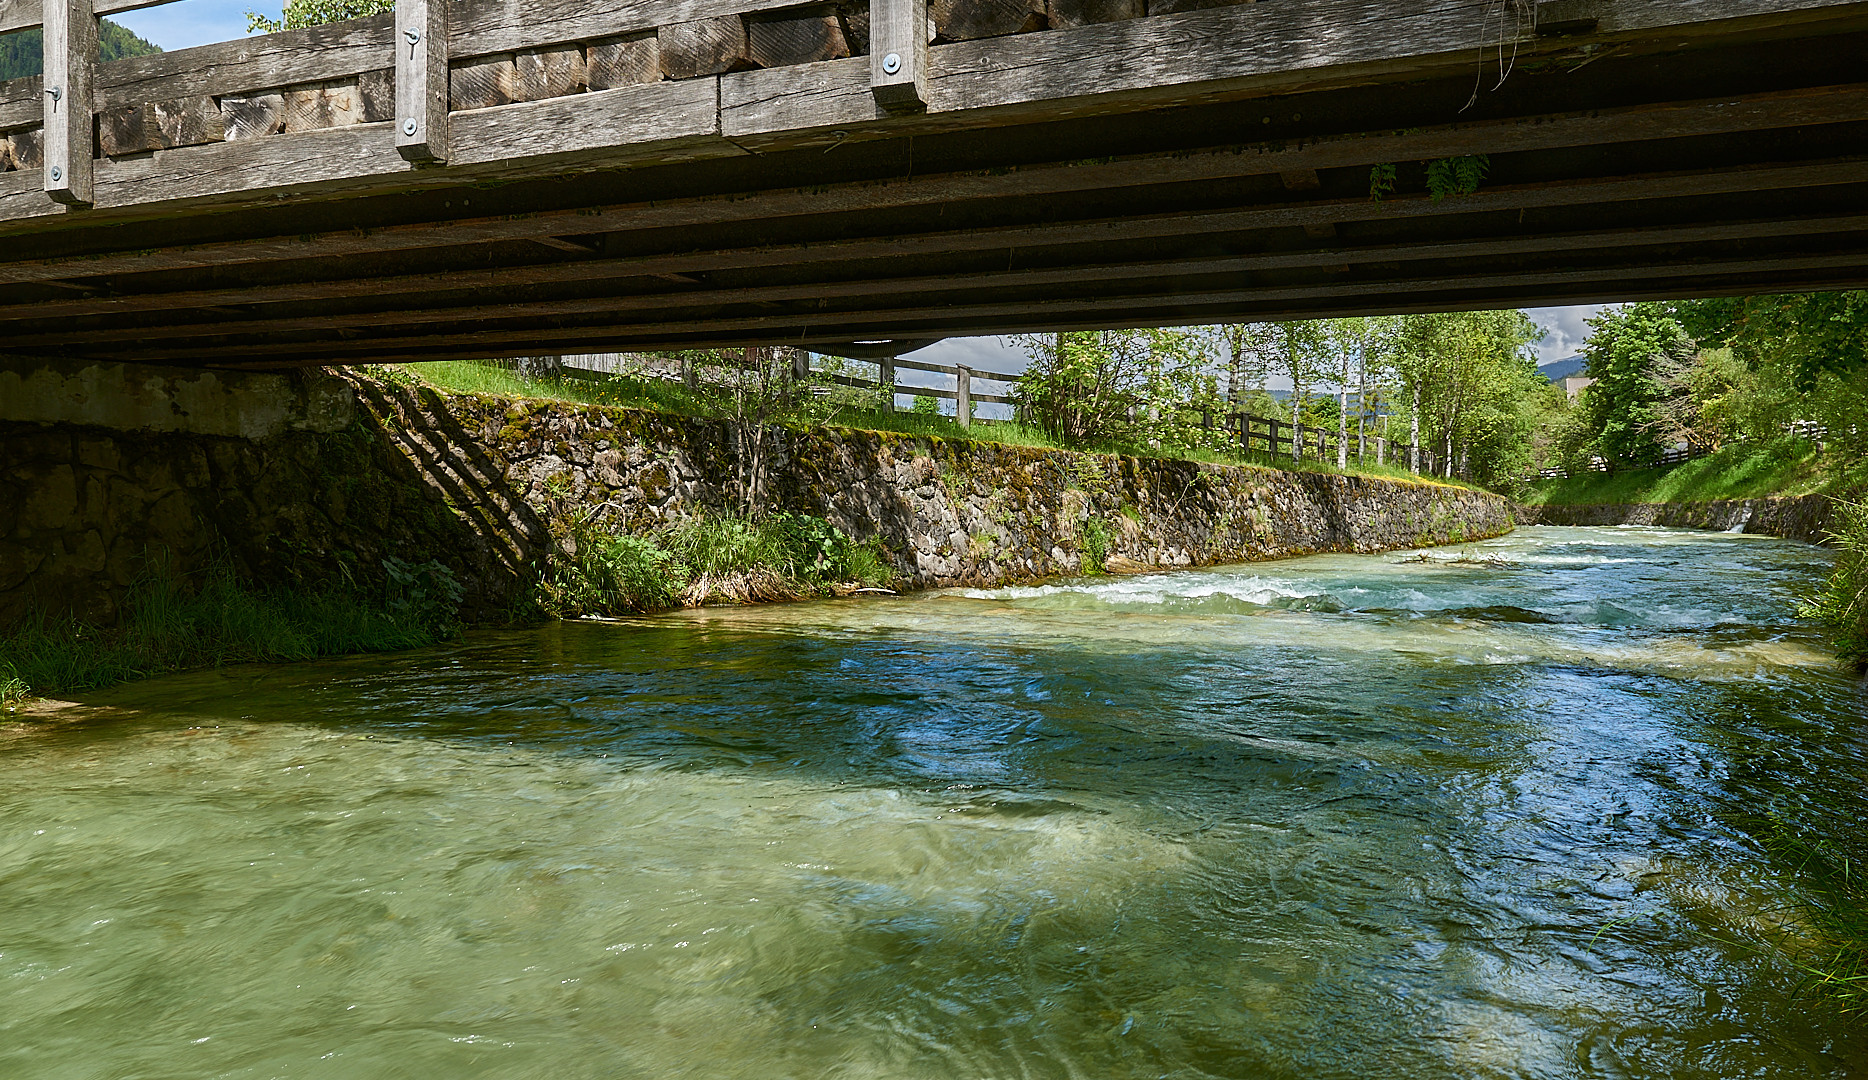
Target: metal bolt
point(408, 126)
point(412, 35)
point(891, 63)
point(57, 174)
point(56, 92)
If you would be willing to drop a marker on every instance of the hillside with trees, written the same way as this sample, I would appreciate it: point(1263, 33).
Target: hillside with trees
point(23, 55)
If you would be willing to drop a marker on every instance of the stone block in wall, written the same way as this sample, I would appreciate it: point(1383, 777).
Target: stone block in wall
point(624, 61)
point(251, 116)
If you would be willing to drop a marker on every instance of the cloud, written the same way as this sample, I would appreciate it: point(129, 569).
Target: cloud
point(1565, 330)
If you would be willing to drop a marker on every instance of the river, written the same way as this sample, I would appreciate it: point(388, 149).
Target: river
point(1479, 815)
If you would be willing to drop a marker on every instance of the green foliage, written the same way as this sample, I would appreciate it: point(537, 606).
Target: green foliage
point(1841, 605)
point(169, 626)
point(1456, 175)
point(1473, 373)
point(23, 54)
point(1084, 386)
point(1636, 354)
point(707, 558)
point(925, 406)
point(298, 14)
point(1805, 334)
point(1381, 181)
point(1095, 545)
point(1786, 465)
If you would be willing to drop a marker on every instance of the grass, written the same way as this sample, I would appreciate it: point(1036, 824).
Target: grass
point(1841, 603)
point(169, 627)
point(1748, 470)
point(717, 558)
point(660, 395)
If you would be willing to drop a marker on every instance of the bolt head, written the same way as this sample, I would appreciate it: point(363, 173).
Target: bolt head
point(408, 126)
point(57, 173)
point(892, 63)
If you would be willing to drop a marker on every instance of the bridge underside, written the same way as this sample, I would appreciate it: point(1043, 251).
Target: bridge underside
point(1717, 148)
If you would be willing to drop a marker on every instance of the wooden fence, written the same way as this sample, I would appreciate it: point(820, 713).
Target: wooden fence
point(1680, 455)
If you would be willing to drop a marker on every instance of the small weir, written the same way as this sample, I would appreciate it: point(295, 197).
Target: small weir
point(1488, 812)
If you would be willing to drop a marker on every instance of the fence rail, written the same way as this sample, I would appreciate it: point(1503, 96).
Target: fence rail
point(1679, 455)
point(1255, 434)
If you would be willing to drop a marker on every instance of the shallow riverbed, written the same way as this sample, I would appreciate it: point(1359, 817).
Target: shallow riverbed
point(1341, 816)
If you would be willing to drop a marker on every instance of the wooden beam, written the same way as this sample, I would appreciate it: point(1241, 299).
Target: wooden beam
point(898, 55)
point(1002, 317)
point(421, 80)
point(1800, 108)
point(424, 307)
point(70, 40)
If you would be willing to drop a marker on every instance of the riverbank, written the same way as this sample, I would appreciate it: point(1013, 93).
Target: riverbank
point(1794, 517)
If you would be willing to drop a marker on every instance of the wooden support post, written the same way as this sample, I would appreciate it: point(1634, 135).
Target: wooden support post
point(963, 395)
point(70, 39)
point(422, 80)
point(898, 55)
point(885, 378)
point(800, 365)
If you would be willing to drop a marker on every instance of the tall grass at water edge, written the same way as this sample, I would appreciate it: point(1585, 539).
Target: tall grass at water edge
point(661, 395)
point(715, 558)
point(1840, 604)
point(169, 626)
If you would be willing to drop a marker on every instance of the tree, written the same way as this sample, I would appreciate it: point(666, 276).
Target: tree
point(23, 54)
point(1468, 374)
point(298, 14)
point(1638, 356)
point(1352, 349)
point(1111, 384)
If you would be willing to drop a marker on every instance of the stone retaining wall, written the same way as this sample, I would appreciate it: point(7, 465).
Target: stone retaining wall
point(492, 486)
point(1798, 517)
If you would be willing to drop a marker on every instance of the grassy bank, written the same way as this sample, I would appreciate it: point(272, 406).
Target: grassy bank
point(661, 395)
point(720, 558)
point(168, 626)
point(1747, 470)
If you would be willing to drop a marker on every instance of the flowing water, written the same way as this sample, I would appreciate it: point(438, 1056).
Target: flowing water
point(1342, 816)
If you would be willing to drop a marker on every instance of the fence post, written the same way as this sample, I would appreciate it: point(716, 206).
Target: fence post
point(963, 395)
point(800, 365)
point(885, 378)
point(70, 43)
point(689, 377)
point(421, 75)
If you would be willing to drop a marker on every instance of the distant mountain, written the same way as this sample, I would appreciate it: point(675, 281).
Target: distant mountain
point(22, 54)
point(1563, 369)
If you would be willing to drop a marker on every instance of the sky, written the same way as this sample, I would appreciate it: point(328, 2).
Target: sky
point(194, 22)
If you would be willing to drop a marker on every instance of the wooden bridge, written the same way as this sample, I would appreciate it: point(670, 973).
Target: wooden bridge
point(468, 178)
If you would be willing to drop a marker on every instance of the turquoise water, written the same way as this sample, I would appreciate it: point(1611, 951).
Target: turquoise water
point(1343, 816)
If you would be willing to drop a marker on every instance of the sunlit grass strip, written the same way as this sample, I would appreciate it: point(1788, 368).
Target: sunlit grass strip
point(1748, 470)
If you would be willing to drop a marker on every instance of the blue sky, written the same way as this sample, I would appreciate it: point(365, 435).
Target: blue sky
point(194, 22)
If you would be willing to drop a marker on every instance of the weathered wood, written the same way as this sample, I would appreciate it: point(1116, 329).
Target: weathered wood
point(322, 105)
point(661, 121)
point(70, 39)
point(853, 17)
point(795, 36)
point(488, 26)
point(898, 56)
point(963, 395)
point(549, 73)
point(376, 90)
point(704, 47)
point(127, 129)
point(189, 121)
point(885, 378)
point(968, 20)
point(482, 83)
point(624, 61)
point(6, 155)
point(27, 149)
point(421, 88)
point(1300, 180)
point(252, 116)
point(1063, 14)
point(1171, 7)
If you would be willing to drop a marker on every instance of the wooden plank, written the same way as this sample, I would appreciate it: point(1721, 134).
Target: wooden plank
point(1064, 14)
point(662, 121)
point(421, 85)
point(548, 73)
point(704, 47)
point(482, 83)
point(1171, 7)
point(490, 26)
point(127, 129)
point(623, 61)
point(898, 57)
point(322, 105)
point(853, 17)
point(26, 149)
point(252, 116)
point(189, 121)
point(70, 40)
point(376, 91)
point(967, 20)
point(1669, 120)
point(795, 36)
